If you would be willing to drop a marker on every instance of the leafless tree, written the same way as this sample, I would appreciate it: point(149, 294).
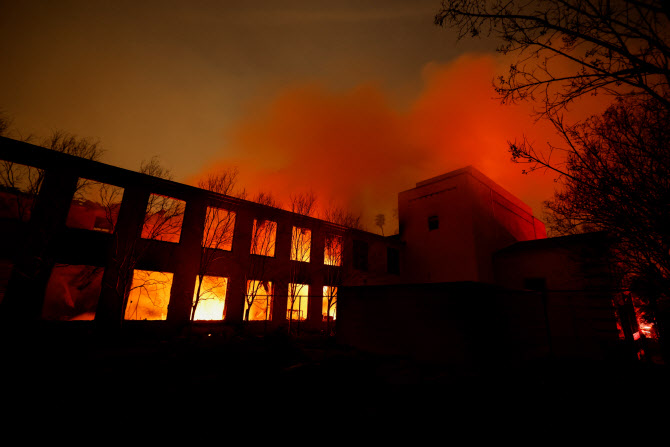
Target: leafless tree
point(301, 241)
point(162, 220)
point(22, 183)
point(218, 232)
point(612, 169)
point(263, 239)
point(380, 220)
point(569, 48)
point(336, 273)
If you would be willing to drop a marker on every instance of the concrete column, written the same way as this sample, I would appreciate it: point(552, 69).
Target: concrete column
point(237, 287)
point(316, 273)
point(24, 296)
point(187, 259)
point(280, 302)
point(122, 255)
point(283, 242)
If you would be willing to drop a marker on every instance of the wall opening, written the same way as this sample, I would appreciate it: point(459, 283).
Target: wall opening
point(329, 308)
point(19, 186)
point(301, 242)
point(333, 250)
point(149, 295)
point(296, 306)
point(219, 228)
point(263, 237)
point(95, 206)
point(433, 223)
point(211, 304)
point(163, 218)
point(258, 302)
point(72, 292)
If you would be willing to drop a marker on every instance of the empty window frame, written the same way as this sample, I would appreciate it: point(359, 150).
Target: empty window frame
point(163, 218)
point(209, 298)
point(263, 237)
point(72, 292)
point(433, 223)
point(333, 250)
point(149, 295)
point(360, 255)
point(329, 308)
point(95, 206)
point(296, 306)
point(19, 186)
point(301, 241)
point(393, 260)
point(258, 301)
point(219, 228)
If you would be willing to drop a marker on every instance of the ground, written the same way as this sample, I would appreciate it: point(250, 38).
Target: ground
point(306, 376)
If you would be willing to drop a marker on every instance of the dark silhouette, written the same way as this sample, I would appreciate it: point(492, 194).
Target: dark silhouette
point(612, 169)
point(567, 49)
point(218, 235)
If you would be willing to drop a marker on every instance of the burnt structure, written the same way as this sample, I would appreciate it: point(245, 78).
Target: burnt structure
point(38, 243)
point(470, 271)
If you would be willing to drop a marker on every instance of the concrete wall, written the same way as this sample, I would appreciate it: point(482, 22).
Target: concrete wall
point(476, 218)
point(34, 247)
point(475, 323)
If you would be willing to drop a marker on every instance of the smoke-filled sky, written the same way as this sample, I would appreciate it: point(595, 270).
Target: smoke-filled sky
point(354, 100)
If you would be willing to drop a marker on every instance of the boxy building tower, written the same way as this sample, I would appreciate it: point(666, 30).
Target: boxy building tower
point(452, 224)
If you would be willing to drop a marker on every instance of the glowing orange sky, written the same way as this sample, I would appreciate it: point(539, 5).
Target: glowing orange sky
point(354, 100)
point(354, 149)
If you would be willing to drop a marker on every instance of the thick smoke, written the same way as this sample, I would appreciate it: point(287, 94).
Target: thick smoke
point(355, 150)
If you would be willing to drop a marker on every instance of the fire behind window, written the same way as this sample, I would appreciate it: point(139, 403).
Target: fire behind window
point(433, 223)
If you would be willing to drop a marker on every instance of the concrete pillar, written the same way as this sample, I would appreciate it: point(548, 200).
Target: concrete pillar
point(237, 286)
point(24, 296)
point(316, 273)
point(187, 259)
point(283, 242)
point(122, 255)
point(280, 302)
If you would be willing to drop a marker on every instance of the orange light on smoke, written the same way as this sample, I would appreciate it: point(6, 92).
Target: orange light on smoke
point(212, 302)
point(219, 227)
point(333, 250)
point(149, 296)
point(263, 237)
point(163, 218)
point(301, 242)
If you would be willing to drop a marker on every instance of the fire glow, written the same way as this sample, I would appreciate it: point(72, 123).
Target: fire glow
point(354, 149)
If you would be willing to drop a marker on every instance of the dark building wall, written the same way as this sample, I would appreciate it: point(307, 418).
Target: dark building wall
point(35, 246)
point(474, 323)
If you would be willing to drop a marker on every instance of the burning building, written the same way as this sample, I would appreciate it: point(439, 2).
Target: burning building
point(471, 266)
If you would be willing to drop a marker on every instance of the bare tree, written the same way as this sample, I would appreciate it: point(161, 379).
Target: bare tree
point(301, 241)
point(336, 274)
point(569, 48)
point(259, 287)
point(5, 122)
point(218, 234)
point(162, 220)
point(380, 220)
point(22, 183)
point(612, 169)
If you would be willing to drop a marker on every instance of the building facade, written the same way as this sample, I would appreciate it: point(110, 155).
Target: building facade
point(471, 269)
point(85, 240)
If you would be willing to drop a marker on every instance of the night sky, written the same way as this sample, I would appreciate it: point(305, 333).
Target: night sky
point(353, 100)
